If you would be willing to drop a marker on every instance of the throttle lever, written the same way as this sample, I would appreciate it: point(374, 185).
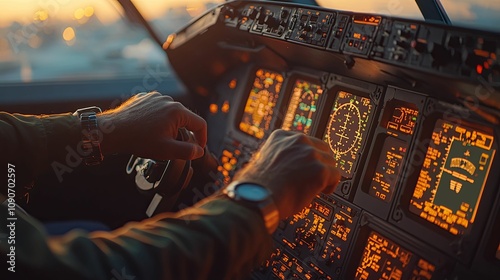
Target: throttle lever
point(163, 180)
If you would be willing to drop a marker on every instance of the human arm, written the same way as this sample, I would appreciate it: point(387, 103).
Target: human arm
point(217, 239)
point(146, 125)
point(32, 143)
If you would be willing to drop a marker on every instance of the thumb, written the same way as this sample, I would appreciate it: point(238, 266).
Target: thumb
point(176, 149)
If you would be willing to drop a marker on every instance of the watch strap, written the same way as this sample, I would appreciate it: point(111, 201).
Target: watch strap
point(91, 135)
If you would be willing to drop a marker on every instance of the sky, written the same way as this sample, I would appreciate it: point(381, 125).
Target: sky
point(469, 12)
point(23, 10)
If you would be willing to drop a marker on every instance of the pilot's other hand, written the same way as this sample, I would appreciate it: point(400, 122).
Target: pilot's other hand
point(147, 125)
point(295, 167)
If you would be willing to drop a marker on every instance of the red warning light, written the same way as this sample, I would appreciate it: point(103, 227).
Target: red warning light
point(479, 69)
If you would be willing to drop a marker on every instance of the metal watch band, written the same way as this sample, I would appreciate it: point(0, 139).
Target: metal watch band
point(266, 207)
point(91, 137)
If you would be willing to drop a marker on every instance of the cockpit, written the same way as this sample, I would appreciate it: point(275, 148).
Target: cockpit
point(405, 94)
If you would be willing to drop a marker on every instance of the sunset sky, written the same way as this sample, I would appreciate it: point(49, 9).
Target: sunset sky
point(23, 10)
point(482, 12)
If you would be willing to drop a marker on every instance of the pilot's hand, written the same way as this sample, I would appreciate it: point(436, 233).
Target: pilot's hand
point(295, 167)
point(147, 125)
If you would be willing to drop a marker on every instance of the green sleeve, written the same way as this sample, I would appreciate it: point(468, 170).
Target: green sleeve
point(37, 143)
point(216, 239)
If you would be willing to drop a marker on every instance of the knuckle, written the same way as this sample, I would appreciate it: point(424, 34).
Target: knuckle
point(277, 134)
point(177, 106)
point(154, 93)
point(168, 97)
point(299, 138)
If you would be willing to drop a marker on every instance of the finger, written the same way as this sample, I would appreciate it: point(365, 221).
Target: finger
point(322, 145)
point(140, 94)
point(153, 93)
point(327, 157)
point(335, 176)
point(168, 97)
point(332, 180)
point(197, 125)
point(175, 149)
point(329, 189)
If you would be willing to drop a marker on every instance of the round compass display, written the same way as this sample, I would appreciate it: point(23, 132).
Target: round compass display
point(346, 129)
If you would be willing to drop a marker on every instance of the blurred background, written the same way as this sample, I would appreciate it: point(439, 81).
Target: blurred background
point(58, 40)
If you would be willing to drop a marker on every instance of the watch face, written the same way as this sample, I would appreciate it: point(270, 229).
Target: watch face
point(252, 192)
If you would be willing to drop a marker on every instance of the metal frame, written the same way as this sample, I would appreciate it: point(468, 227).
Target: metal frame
point(433, 10)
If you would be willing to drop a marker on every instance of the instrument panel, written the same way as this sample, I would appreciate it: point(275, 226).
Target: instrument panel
point(362, 231)
point(418, 197)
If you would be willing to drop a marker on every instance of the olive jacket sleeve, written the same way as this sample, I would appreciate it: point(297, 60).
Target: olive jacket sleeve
point(215, 239)
point(34, 144)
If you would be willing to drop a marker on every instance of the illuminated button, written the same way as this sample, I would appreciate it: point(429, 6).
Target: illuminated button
point(214, 108)
point(479, 69)
point(225, 107)
point(228, 166)
point(233, 83)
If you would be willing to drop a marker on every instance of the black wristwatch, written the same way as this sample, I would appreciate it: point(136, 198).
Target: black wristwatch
point(257, 197)
point(91, 138)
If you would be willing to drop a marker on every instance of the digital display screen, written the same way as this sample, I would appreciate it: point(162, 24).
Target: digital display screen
point(453, 176)
point(262, 99)
point(302, 106)
point(384, 259)
point(388, 168)
point(403, 119)
point(347, 127)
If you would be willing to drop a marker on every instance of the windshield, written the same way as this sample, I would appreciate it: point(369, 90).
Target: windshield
point(479, 14)
point(91, 39)
point(395, 8)
point(167, 16)
point(62, 40)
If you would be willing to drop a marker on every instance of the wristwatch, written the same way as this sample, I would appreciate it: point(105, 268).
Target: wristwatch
point(257, 197)
point(91, 136)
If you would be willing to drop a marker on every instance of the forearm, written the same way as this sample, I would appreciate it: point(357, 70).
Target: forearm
point(34, 143)
point(217, 240)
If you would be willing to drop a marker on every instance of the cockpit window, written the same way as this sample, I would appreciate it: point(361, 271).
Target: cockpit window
point(168, 16)
point(395, 8)
point(480, 14)
point(62, 40)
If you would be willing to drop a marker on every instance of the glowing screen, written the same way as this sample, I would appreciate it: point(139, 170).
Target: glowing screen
point(259, 108)
point(388, 167)
point(453, 175)
point(403, 120)
point(384, 259)
point(302, 107)
point(347, 127)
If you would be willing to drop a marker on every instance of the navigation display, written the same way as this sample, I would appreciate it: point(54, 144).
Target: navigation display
point(453, 175)
point(384, 259)
point(347, 127)
point(388, 168)
point(302, 107)
point(260, 106)
point(403, 119)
